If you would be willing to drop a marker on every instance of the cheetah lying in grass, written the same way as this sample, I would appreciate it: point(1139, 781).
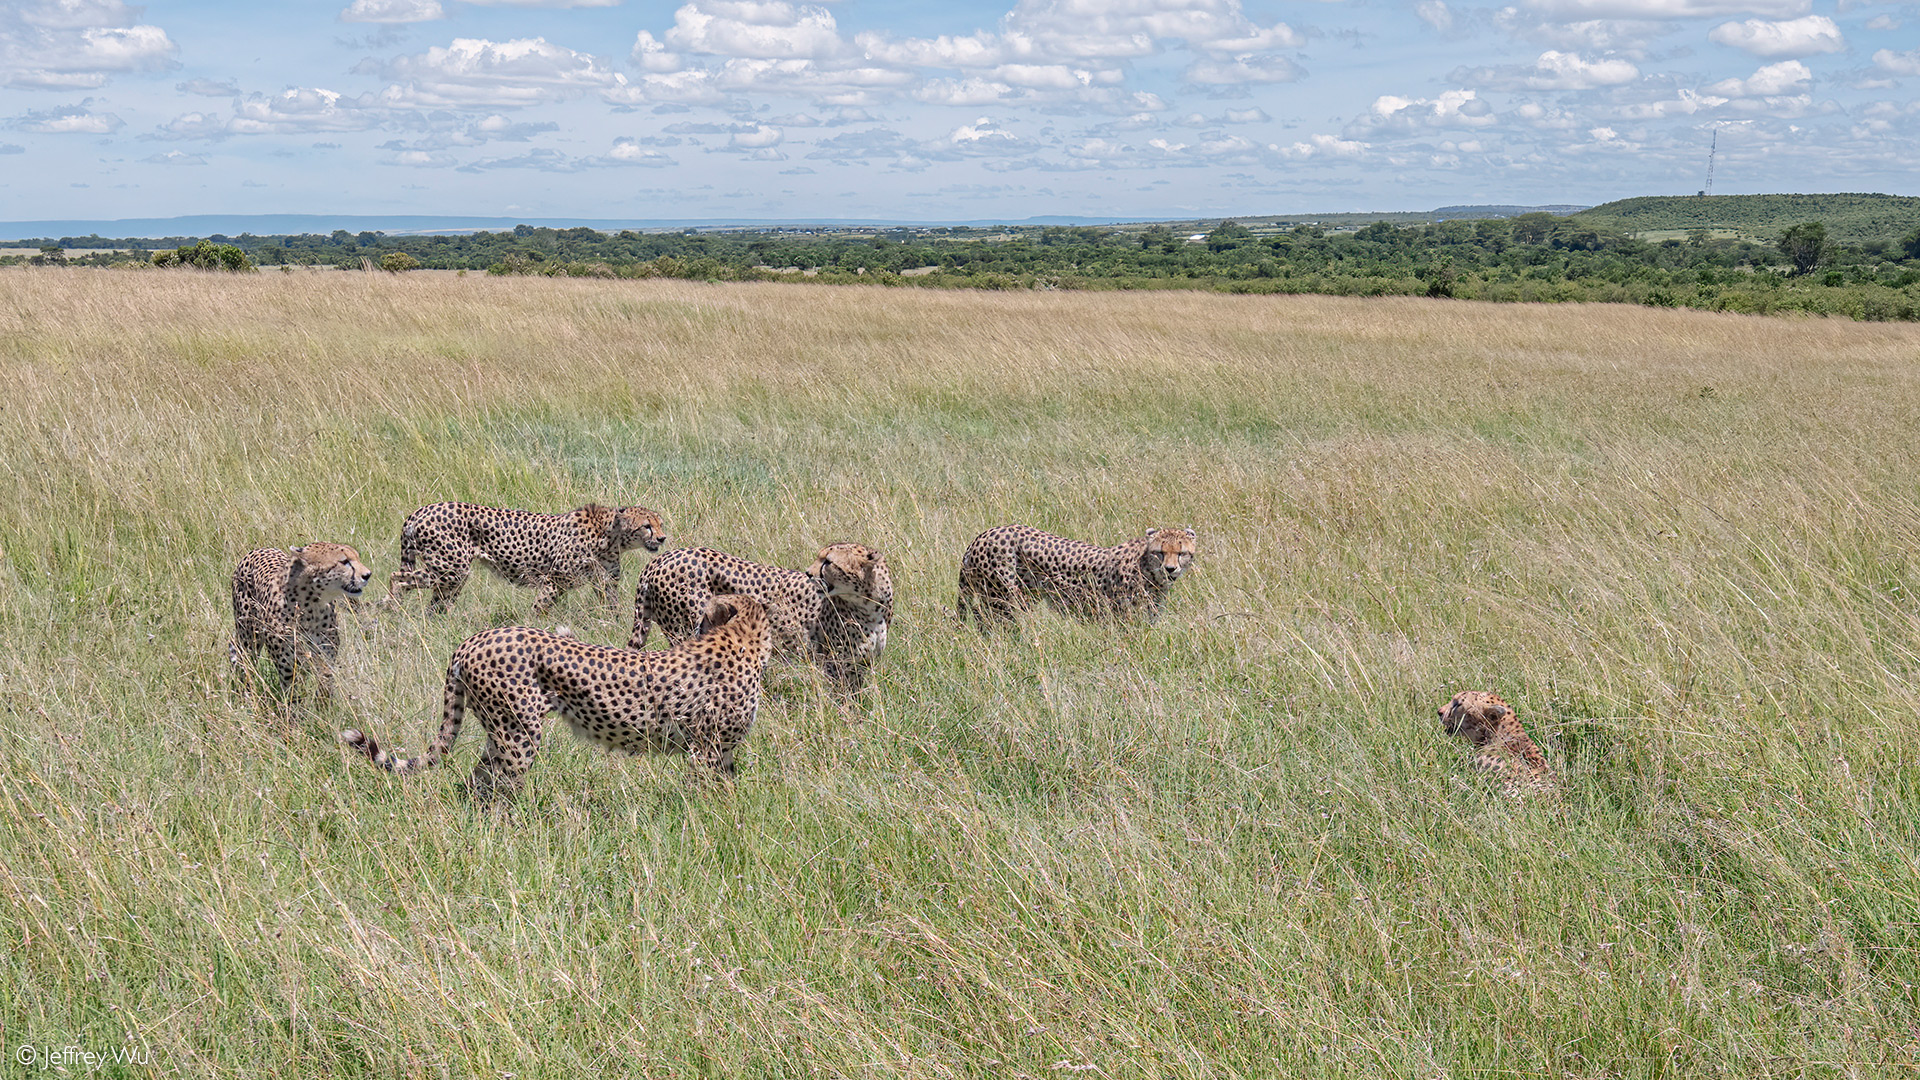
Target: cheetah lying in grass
point(1504, 750)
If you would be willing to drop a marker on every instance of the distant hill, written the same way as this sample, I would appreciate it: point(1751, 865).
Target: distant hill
point(1849, 218)
point(206, 225)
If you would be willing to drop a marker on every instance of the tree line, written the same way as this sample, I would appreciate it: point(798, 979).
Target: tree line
point(1537, 256)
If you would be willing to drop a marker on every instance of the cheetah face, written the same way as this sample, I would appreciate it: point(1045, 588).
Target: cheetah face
point(637, 525)
point(332, 569)
point(1169, 552)
point(1474, 715)
point(854, 572)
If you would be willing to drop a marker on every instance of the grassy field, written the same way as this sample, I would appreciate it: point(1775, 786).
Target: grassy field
point(1232, 845)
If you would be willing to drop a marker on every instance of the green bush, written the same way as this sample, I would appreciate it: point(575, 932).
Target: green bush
point(205, 255)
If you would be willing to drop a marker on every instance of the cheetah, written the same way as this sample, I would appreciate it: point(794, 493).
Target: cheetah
point(551, 552)
point(699, 697)
point(1504, 750)
point(283, 604)
point(1009, 564)
point(834, 613)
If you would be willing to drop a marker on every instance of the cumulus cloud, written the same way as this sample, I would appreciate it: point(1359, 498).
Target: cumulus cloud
point(393, 11)
point(759, 136)
point(1903, 63)
point(1453, 108)
point(1773, 80)
point(175, 157)
point(77, 44)
point(1240, 71)
point(631, 152)
point(667, 89)
point(477, 73)
point(1435, 13)
point(1322, 146)
point(1555, 70)
point(1574, 10)
point(1806, 36)
point(68, 120)
point(756, 29)
point(12, 148)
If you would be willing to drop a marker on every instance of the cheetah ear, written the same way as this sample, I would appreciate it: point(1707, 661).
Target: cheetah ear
point(1191, 535)
point(720, 612)
point(1497, 712)
point(299, 558)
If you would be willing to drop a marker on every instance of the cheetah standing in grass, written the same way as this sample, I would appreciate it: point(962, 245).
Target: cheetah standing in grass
point(834, 613)
point(1503, 749)
point(283, 605)
point(698, 697)
point(551, 552)
point(1005, 567)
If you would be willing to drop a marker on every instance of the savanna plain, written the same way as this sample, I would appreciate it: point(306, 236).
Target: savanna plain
point(1233, 844)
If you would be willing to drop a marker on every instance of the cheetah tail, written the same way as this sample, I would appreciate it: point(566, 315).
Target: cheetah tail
point(456, 709)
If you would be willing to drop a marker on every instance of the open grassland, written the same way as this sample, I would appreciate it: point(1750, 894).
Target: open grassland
point(1233, 845)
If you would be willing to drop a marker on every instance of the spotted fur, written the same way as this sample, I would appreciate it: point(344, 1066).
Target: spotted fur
point(1005, 568)
point(834, 613)
point(698, 697)
point(550, 552)
point(1504, 751)
point(283, 604)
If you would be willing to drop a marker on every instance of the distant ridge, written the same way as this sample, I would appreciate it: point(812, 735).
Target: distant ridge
point(206, 225)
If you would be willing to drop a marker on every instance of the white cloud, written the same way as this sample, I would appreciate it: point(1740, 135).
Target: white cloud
point(651, 55)
point(629, 152)
point(1685, 102)
point(1573, 10)
point(68, 120)
point(1883, 22)
point(1242, 70)
point(77, 44)
point(476, 73)
point(1905, 63)
point(691, 87)
point(1773, 80)
point(758, 137)
point(1322, 146)
point(296, 110)
point(827, 84)
point(393, 11)
point(977, 50)
point(1806, 36)
point(756, 29)
point(1453, 108)
point(1555, 70)
point(970, 91)
point(1435, 13)
point(175, 157)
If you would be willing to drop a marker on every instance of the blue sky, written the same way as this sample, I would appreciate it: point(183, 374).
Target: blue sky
point(888, 109)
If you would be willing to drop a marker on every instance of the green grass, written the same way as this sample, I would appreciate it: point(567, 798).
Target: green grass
point(1235, 844)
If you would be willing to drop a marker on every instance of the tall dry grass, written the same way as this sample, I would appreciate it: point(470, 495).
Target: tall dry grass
point(1231, 845)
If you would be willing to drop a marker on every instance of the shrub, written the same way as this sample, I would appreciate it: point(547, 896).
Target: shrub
point(205, 256)
point(398, 262)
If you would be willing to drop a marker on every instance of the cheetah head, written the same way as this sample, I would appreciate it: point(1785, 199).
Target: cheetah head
point(330, 569)
point(1475, 715)
point(635, 526)
point(1169, 553)
point(855, 574)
